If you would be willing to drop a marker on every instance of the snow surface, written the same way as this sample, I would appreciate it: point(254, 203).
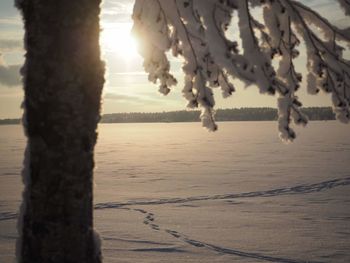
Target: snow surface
point(176, 193)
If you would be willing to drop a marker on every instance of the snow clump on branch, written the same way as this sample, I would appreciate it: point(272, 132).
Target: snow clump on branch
point(197, 31)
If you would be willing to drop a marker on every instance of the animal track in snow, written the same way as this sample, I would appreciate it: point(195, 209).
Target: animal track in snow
point(294, 190)
point(228, 251)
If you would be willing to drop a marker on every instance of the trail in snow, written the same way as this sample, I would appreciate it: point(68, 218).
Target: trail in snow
point(299, 189)
point(149, 220)
point(294, 190)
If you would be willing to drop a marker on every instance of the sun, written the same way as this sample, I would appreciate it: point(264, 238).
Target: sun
point(117, 38)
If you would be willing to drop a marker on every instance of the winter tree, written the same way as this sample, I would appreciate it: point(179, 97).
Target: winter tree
point(63, 79)
point(264, 54)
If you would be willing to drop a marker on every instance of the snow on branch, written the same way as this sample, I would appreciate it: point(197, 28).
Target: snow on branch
point(197, 30)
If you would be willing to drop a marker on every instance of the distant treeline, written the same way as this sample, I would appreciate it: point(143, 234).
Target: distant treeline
point(10, 121)
point(242, 114)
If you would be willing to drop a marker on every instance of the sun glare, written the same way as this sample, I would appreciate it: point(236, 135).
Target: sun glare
point(118, 39)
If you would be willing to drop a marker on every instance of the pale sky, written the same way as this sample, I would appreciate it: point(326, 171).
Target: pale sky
point(127, 88)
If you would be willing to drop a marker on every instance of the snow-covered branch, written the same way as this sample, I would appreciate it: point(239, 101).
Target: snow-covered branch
point(197, 30)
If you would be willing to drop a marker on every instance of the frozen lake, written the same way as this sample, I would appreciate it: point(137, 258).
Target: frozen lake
point(176, 193)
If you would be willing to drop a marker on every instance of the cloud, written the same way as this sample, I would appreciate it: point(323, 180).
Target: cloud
point(11, 21)
point(7, 45)
point(118, 96)
point(134, 98)
point(9, 75)
point(116, 17)
point(117, 10)
point(8, 13)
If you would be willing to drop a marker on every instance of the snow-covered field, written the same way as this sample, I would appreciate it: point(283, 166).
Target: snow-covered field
point(176, 193)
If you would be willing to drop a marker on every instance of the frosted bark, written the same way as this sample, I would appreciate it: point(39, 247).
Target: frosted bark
point(197, 31)
point(63, 80)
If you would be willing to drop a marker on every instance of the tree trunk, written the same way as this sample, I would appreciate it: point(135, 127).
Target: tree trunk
point(63, 80)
